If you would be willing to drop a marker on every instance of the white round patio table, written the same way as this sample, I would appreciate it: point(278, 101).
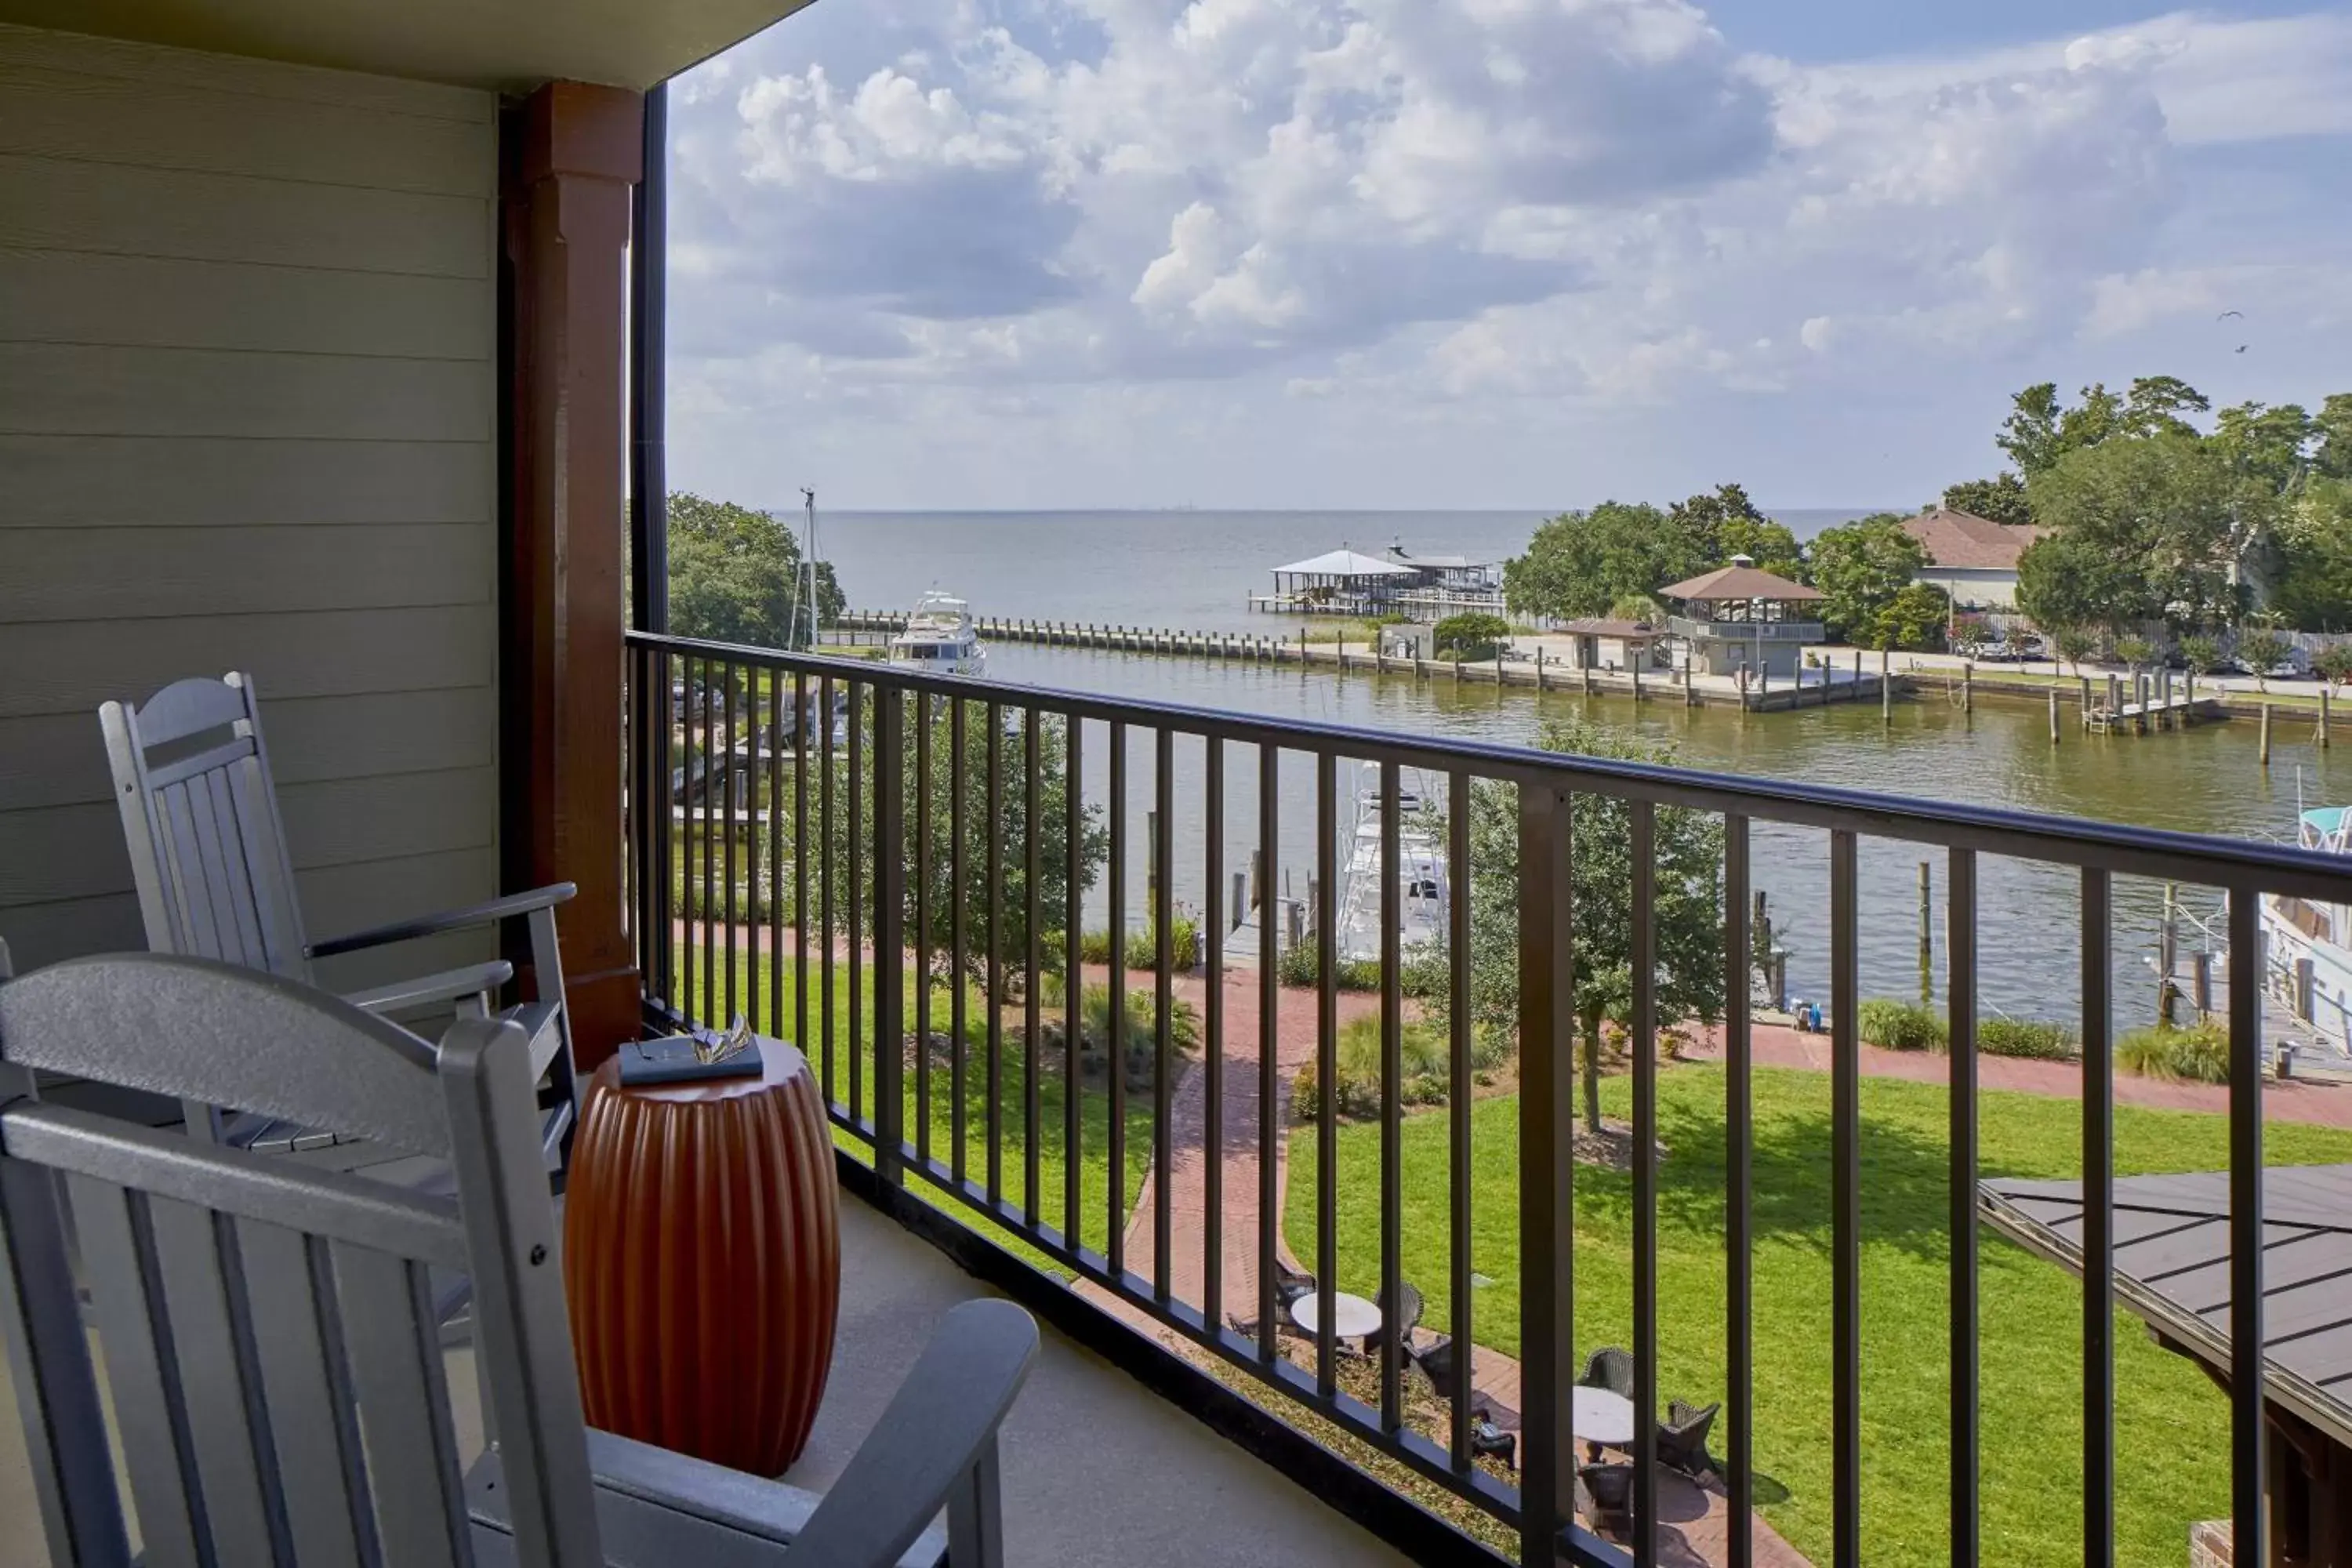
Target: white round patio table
point(1602, 1418)
point(1353, 1316)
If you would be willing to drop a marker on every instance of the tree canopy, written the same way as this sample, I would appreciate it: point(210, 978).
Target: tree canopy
point(1688, 928)
point(2141, 530)
point(1585, 563)
point(1862, 567)
point(2000, 499)
point(735, 576)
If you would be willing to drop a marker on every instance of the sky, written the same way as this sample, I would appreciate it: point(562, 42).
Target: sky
point(1422, 254)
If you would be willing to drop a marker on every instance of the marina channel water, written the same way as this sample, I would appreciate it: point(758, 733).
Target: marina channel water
point(1192, 571)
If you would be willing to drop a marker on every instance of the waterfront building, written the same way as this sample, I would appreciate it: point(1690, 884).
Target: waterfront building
point(1971, 558)
point(1741, 617)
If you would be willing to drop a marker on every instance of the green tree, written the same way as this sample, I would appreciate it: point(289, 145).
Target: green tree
point(1471, 634)
point(2000, 499)
point(2142, 530)
point(2040, 430)
point(1719, 524)
point(1580, 562)
point(1010, 941)
point(2074, 644)
point(1861, 566)
point(2332, 428)
point(1687, 931)
point(1913, 618)
point(2333, 664)
point(735, 576)
point(2262, 652)
point(2135, 652)
point(2203, 653)
point(1639, 607)
point(2313, 588)
point(2269, 446)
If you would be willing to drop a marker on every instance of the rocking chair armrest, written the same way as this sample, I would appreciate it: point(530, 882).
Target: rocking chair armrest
point(496, 910)
point(449, 985)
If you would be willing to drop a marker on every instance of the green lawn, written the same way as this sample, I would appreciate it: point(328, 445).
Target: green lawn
point(1053, 1163)
point(2171, 1425)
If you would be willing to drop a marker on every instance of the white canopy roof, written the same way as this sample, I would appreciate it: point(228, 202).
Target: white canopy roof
point(1344, 564)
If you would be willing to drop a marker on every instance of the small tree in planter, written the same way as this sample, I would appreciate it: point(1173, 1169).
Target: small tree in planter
point(2135, 652)
point(2203, 653)
point(2334, 663)
point(2074, 644)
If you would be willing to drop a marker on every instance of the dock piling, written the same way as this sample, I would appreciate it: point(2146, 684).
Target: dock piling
point(2053, 715)
point(2167, 953)
point(1968, 686)
point(2321, 735)
point(1885, 686)
point(2266, 735)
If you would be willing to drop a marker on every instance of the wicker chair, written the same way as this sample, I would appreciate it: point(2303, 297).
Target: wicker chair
point(1682, 1438)
point(1408, 1312)
point(1291, 1284)
point(1609, 1368)
point(1605, 1496)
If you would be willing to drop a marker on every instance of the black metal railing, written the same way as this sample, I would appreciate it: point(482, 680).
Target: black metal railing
point(793, 827)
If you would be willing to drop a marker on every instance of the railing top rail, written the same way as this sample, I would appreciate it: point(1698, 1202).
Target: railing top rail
point(2160, 852)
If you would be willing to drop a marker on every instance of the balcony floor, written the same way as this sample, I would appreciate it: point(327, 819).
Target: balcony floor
point(1095, 1466)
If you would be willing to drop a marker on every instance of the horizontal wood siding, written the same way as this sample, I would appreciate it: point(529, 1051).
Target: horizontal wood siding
point(248, 416)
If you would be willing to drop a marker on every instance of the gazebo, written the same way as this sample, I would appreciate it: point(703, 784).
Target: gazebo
point(1343, 579)
point(1740, 617)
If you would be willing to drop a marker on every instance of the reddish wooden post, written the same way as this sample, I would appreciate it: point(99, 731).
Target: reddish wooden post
point(566, 210)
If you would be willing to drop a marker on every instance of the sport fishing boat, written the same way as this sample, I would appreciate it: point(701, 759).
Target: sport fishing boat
point(1422, 889)
point(2307, 946)
point(941, 639)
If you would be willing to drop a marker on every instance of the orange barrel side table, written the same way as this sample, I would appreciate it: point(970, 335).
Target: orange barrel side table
point(703, 1260)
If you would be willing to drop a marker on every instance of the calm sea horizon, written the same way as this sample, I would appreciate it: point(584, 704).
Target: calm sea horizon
point(1189, 570)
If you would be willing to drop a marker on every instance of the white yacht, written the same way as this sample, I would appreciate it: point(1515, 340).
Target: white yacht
point(1424, 893)
point(941, 639)
point(2307, 946)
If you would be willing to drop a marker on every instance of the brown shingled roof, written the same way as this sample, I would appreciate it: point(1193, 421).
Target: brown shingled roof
point(1741, 582)
point(1967, 541)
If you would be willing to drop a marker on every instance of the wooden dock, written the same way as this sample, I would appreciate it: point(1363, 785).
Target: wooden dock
point(2145, 718)
point(1370, 658)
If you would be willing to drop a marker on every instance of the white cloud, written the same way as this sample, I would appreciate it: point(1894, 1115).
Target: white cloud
point(1356, 210)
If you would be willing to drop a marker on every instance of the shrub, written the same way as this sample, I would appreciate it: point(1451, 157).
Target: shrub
point(2025, 1037)
point(2198, 1054)
point(2134, 651)
point(2334, 663)
point(1901, 1026)
point(1472, 635)
point(2201, 654)
point(1143, 946)
point(1424, 1081)
point(1298, 966)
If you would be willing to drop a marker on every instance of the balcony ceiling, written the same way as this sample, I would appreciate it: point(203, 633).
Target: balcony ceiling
point(498, 44)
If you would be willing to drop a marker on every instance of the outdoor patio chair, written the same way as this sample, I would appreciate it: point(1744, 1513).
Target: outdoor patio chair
point(1408, 1314)
point(1682, 1438)
point(1610, 1368)
point(209, 860)
point(272, 1376)
point(1291, 1284)
point(1605, 1496)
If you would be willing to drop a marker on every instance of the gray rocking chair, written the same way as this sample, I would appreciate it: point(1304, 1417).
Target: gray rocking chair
point(208, 856)
point(272, 1374)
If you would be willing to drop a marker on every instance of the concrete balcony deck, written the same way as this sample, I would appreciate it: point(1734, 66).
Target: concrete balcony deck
point(1096, 1469)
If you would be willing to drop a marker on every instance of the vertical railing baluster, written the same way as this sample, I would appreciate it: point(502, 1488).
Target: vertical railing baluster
point(706, 996)
point(1074, 821)
point(1032, 1132)
point(1740, 1173)
point(1212, 1062)
point(1392, 908)
point(1845, 1207)
point(993, 872)
point(824, 886)
point(1643, 949)
point(1271, 1123)
point(890, 754)
point(673, 841)
point(1326, 1068)
point(1458, 1097)
point(725, 1017)
point(1547, 1170)
point(1114, 1216)
point(1164, 1047)
point(2249, 1441)
point(860, 715)
point(2098, 1224)
point(923, 862)
point(959, 951)
point(772, 928)
point(1960, 940)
